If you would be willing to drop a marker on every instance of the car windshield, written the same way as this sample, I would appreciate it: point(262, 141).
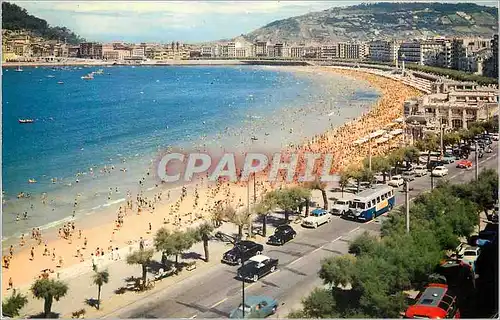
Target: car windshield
point(342, 202)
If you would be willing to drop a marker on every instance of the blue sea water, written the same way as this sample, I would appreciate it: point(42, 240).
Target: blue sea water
point(121, 118)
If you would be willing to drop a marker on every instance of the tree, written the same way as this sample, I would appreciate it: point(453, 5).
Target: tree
point(344, 181)
point(99, 279)
point(451, 138)
point(144, 258)
point(267, 205)
point(289, 200)
point(429, 144)
point(379, 164)
point(410, 155)
point(202, 233)
point(337, 270)
point(303, 198)
point(319, 185)
point(174, 243)
point(364, 244)
point(218, 214)
point(48, 290)
point(12, 306)
point(241, 219)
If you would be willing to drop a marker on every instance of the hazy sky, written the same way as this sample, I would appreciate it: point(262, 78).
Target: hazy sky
point(158, 21)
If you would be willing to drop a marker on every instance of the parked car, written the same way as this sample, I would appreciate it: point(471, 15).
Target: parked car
point(340, 207)
point(396, 181)
point(317, 218)
point(494, 136)
point(439, 171)
point(448, 158)
point(420, 170)
point(434, 163)
point(242, 251)
point(257, 267)
point(470, 255)
point(282, 234)
point(464, 164)
point(255, 307)
point(488, 149)
point(408, 175)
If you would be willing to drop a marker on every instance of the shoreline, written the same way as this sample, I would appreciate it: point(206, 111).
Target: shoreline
point(137, 225)
point(306, 116)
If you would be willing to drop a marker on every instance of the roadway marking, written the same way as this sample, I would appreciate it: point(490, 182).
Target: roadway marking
point(338, 238)
point(317, 249)
point(216, 304)
point(355, 229)
point(296, 260)
point(193, 316)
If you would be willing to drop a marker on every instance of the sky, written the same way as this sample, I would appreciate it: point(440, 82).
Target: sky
point(162, 21)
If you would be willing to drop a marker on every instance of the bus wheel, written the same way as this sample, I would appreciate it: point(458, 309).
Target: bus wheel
point(390, 207)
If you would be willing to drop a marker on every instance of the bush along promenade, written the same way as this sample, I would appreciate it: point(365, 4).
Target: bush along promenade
point(373, 281)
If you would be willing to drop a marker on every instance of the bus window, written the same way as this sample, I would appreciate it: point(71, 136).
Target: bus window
point(360, 205)
point(373, 203)
point(384, 196)
point(378, 199)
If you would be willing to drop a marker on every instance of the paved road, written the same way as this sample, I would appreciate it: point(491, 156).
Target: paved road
point(215, 293)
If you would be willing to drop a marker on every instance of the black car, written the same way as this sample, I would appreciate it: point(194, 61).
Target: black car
point(257, 267)
point(242, 251)
point(282, 234)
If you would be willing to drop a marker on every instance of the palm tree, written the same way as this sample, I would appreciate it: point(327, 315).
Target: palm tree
point(240, 219)
point(48, 290)
point(303, 196)
point(218, 215)
point(177, 45)
point(263, 208)
point(202, 233)
point(318, 185)
point(172, 45)
point(13, 304)
point(142, 257)
point(344, 181)
point(100, 278)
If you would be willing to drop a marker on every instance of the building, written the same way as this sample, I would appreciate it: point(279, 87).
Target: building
point(138, 51)
point(260, 48)
point(383, 50)
point(350, 50)
point(410, 51)
point(466, 47)
point(454, 104)
point(329, 51)
point(297, 51)
point(90, 50)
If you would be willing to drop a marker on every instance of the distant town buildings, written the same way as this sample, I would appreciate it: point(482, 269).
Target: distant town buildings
point(475, 55)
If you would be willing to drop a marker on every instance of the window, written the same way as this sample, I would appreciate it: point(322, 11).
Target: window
point(373, 203)
point(384, 196)
point(263, 303)
point(378, 199)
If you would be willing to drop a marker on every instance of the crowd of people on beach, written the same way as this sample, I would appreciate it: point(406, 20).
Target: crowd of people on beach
point(185, 204)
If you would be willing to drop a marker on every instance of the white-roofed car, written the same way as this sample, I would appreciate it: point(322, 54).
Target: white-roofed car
point(420, 170)
point(439, 171)
point(316, 218)
point(396, 181)
point(256, 267)
point(340, 207)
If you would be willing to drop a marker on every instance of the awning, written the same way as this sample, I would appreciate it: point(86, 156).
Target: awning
point(396, 132)
point(376, 134)
point(381, 140)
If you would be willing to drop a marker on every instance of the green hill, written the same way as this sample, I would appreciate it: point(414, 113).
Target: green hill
point(17, 18)
point(402, 20)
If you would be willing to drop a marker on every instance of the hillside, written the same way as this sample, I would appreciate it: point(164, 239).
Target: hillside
point(383, 20)
point(17, 18)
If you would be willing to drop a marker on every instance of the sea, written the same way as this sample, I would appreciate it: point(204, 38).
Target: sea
point(93, 140)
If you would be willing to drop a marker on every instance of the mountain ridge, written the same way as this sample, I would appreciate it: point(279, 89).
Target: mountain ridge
point(381, 20)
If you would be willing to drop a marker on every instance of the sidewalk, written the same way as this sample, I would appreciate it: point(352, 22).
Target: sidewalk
point(81, 287)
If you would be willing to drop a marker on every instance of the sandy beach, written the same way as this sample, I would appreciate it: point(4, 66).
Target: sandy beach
point(166, 208)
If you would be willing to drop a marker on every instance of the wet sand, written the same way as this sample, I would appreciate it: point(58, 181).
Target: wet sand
point(339, 141)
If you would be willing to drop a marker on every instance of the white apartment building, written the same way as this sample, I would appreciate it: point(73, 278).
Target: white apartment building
point(329, 51)
point(383, 50)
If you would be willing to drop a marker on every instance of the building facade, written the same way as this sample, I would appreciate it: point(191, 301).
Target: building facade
point(90, 50)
